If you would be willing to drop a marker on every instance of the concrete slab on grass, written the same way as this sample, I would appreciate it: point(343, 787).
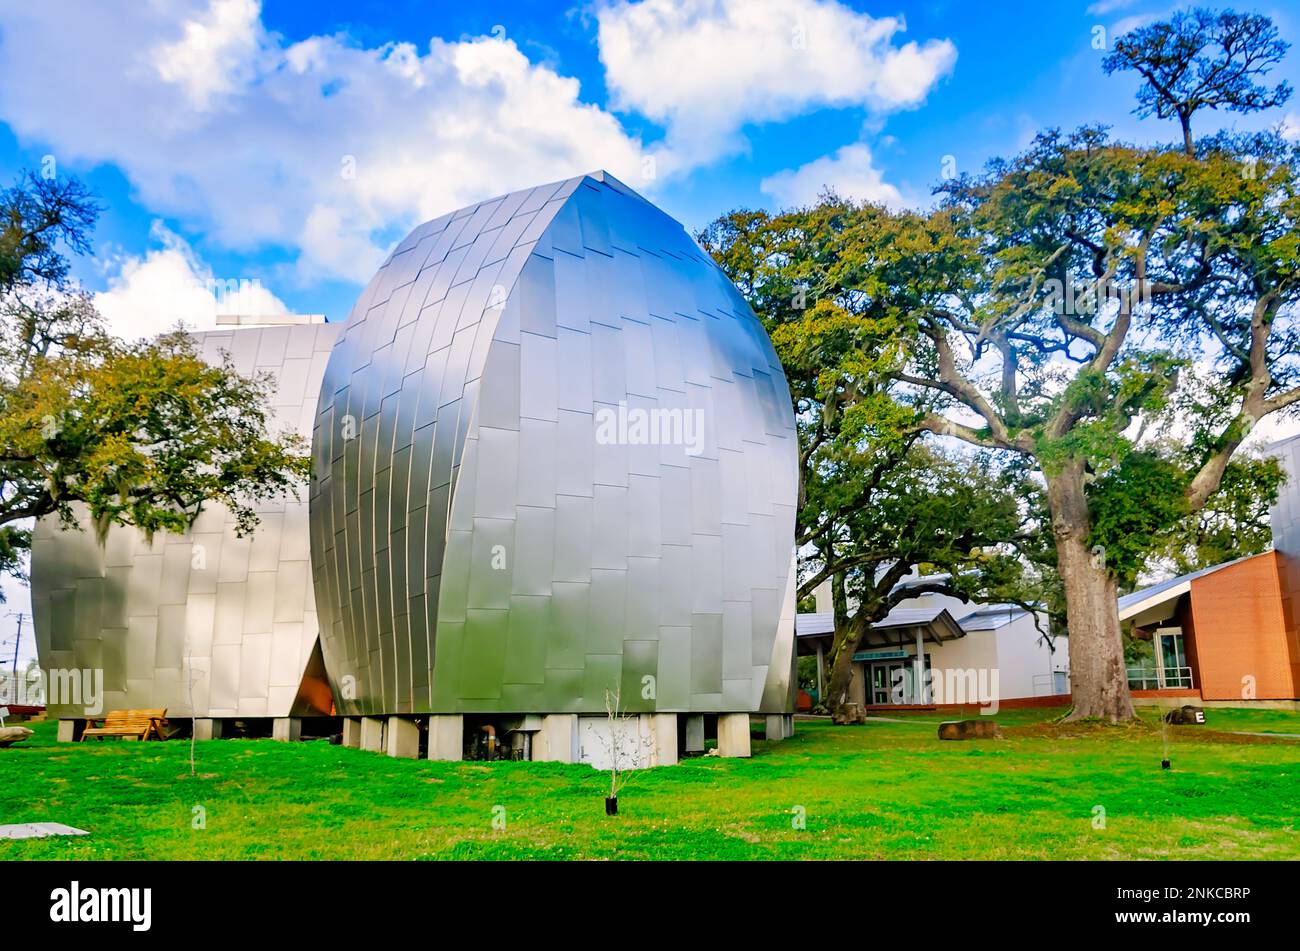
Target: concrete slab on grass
point(38, 830)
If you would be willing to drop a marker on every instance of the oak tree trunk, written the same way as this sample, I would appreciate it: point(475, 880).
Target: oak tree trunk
point(843, 647)
point(1098, 677)
point(837, 691)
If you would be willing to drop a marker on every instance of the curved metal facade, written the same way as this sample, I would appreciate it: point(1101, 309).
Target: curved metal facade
point(237, 616)
point(554, 455)
point(494, 529)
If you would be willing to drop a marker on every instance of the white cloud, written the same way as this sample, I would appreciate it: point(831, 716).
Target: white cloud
point(216, 51)
point(1103, 7)
point(848, 172)
point(223, 125)
point(1291, 127)
point(150, 295)
point(705, 68)
point(1130, 23)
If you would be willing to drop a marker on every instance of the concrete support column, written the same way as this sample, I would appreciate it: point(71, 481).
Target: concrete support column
point(206, 728)
point(67, 731)
point(733, 734)
point(774, 727)
point(372, 734)
point(447, 737)
point(694, 733)
point(787, 722)
point(663, 733)
point(352, 732)
point(557, 740)
point(403, 738)
point(286, 729)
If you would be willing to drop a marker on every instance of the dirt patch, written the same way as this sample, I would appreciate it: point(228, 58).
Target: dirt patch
point(1137, 729)
point(1192, 733)
point(1073, 729)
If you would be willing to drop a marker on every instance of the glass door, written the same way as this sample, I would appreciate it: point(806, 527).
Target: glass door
point(894, 682)
point(1174, 671)
point(881, 685)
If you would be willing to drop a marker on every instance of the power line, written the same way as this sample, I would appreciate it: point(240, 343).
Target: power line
point(18, 636)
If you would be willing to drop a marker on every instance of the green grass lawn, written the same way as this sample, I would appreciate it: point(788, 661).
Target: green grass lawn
point(884, 790)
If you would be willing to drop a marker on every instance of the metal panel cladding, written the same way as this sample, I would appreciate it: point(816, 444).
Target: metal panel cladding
point(205, 623)
point(555, 455)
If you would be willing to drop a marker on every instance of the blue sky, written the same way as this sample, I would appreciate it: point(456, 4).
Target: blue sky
point(185, 122)
point(283, 147)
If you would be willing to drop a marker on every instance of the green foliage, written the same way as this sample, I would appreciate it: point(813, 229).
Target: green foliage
point(836, 285)
point(1079, 228)
point(38, 217)
point(1202, 59)
point(1138, 652)
point(806, 669)
point(1078, 309)
point(1233, 523)
point(143, 433)
point(1141, 519)
point(1133, 507)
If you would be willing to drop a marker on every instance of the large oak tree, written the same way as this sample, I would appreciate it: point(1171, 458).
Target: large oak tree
point(876, 502)
point(1083, 286)
point(139, 433)
point(1113, 319)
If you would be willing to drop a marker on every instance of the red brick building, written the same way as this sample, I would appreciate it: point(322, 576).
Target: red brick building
point(1228, 633)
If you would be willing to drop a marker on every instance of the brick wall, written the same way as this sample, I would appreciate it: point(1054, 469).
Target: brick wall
point(1239, 629)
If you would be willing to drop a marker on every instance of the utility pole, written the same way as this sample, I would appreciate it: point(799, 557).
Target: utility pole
point(18, 637)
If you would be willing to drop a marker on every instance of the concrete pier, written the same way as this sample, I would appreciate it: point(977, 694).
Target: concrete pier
point(402, 738)
point(446, 737)
point(286, 729)
point(733, 734)
point(372, 734)
point(557, 740)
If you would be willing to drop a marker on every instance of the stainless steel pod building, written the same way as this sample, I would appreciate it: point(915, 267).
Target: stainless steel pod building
point(206, 624)
point(555, 455)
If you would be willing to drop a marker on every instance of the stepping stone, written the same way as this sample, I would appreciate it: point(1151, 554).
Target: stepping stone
point(968, 729)
point(10, 735)
point(38, 830)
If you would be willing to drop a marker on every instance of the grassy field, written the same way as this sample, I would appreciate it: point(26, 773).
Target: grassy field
point(884, 790)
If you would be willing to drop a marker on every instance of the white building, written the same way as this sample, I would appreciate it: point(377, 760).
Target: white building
point(972, 653)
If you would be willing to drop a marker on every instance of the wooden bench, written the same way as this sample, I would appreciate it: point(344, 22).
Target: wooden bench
point(139, 724)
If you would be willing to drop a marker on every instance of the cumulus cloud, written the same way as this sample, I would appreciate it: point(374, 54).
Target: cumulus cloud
point(849, 172)
point(705, 68)
point(1291, 127)
point(1130, 23)
point(322, 146)
point(169, 285)
point(1103, 7)
point(215, 53)
point(330, 149)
